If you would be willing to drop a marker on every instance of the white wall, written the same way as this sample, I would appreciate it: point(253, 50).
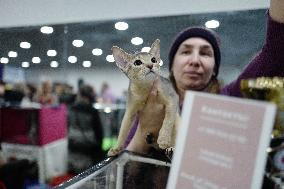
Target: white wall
point(114, 77)
point(39, 12)
point(95, 77)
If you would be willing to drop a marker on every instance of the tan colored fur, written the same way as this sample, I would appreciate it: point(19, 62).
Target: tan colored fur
point(157, 118)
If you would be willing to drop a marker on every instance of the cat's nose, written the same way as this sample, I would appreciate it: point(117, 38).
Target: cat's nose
point(150, 66)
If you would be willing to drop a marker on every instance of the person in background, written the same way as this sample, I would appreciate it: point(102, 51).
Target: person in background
point(45, 95)
point(106, 95)
point(2, 93)
point(68, 97)
point(29, 96)
point(85, 132)
point(14, 94)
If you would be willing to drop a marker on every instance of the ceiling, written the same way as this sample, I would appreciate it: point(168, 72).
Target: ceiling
point(241, 33)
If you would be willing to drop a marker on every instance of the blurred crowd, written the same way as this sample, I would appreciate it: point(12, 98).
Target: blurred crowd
point(48, 93)
point(86, 126)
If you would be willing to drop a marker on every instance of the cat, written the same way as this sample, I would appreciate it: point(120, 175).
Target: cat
point(143, 71)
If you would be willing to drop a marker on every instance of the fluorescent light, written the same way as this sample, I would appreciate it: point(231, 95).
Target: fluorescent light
point(36, 60)
point(110, 58)
point(77, 43)
point(107, 110)
point(51, 53)
point(145, 49)
point(46, 29)
point(72, 59)
point(54, 64)
point(12, 54)
point(121, 26)
point(97, 52)
point(87, 63)
point(136, 40)
point(25, 45)
point(212, 24)
point(97, 106)
point(4, 60)
point(25, 64)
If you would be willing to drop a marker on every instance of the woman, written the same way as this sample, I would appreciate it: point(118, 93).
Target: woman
point(194, 60)
point(194, 57)
point(85, 132)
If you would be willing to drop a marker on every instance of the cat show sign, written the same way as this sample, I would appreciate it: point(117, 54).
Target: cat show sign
point(221, 143)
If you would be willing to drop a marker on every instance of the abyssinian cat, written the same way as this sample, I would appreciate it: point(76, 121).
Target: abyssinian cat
point(143, 70)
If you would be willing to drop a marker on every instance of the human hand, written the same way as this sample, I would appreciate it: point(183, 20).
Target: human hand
point(276, 10)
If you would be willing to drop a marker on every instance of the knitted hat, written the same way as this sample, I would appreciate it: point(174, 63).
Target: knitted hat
point(208, 35)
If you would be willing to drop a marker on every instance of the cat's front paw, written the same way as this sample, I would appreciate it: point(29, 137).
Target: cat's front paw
point(114, 151)
point(164, 142)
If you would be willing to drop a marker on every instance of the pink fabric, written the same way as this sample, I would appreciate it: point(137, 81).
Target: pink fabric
point(50, 124)
point(53, 124)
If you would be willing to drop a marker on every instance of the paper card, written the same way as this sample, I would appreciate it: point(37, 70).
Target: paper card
point(221, 143)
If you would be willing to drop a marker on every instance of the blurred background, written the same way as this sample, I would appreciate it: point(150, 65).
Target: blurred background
point(54, 55)
point(58, 80)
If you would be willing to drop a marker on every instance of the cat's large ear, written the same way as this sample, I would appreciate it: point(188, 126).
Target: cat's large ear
point(155, 49)
point(121, 57)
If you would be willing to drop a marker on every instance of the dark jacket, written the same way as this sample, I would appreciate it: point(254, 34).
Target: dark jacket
point(85, 136)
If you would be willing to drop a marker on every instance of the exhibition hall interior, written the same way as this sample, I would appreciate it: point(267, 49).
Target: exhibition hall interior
point(63, 98)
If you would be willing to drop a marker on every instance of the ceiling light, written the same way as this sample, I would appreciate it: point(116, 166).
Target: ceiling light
point(121, 26)
point(97, 52)
point(161, 63)
point(87, 63)
point(12, 54)
point(136, 41)
point(25, 64)
point(72, 59)
point(145, 49)
point(78, 43)
point(110, 58)
point(51, 53)
point(4, 60)
point(54, 64)
point(46, 29)
point(268, 150)
point(25, 45)
point(212, 24)
point(98, 106)
point(107, 110)
point(36, 60)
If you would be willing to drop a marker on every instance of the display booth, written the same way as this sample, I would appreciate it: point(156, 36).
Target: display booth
point(38, 135)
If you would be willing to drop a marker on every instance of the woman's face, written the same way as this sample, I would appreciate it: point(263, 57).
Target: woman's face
point(193, 64)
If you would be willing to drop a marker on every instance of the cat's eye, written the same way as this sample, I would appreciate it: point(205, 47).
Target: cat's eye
point(153, 60)
point(137, 62)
